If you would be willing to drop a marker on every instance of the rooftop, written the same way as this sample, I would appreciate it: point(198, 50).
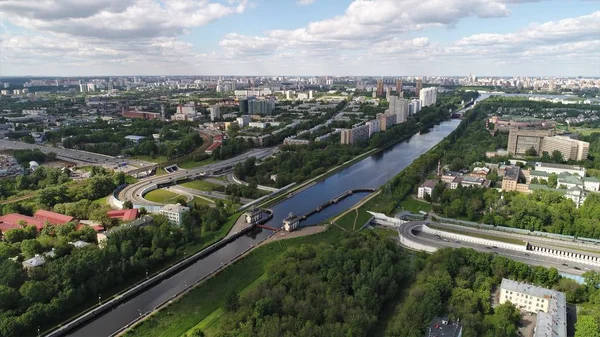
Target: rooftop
point(53, 217)
point(512, 172)
point(174, 208)
point(429, 183)
point(123, 214)
point(558, 166)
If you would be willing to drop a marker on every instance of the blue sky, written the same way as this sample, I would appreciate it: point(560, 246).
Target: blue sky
point(289, 37)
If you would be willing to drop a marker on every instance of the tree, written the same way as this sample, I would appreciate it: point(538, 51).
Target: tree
point(197, 333)
point(546, 157)
point(31, 247)
point(557, 157)
point(143, 211)
point(127, 204)
point(552, 180)
point(587, 326)
point(232, 301)
point(531, 152)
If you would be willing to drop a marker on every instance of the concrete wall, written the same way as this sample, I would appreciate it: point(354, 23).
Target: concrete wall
point(465, 238)
point(260, 187)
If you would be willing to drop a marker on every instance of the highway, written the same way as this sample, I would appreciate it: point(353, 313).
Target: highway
point(411, 231)
point(71, 155)
point(134, 192)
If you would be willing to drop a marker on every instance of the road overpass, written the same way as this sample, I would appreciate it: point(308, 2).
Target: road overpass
point(71, 155)
point(135, 192)
point(419, 236)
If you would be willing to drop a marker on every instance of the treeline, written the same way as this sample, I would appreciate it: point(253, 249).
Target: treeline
point(23, 157)
point(459, 283)
point(45, 295)
point(296, 163)
point(100, 137)
point(325, 290)
point(42, 178)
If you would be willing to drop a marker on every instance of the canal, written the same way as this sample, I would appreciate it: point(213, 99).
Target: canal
point(371, 172)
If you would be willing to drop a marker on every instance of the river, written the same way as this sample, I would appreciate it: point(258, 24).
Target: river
point(371, 172)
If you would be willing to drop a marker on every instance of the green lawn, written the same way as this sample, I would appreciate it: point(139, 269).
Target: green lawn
point(200, 303)
point(385, 232)
point(157, 159)
point(351, 222)
point(201, 201)
point(188, 164)
point(161, 196)
point(201, 185)
point(585, 131)
point(414, 206)
point(101, 201)
point(478, 235)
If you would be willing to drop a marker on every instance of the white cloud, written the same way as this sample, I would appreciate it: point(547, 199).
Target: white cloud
point(304, 2)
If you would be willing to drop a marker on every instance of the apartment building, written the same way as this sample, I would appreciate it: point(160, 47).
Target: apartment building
point(354, 135)
point(426, 188)
point(549, 305)
point(560, 169)
point(174, 212)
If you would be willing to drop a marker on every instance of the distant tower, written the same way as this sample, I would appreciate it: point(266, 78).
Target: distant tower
point(399, 87)
point(162, 112)
point(380, 87)
point(418, 87)
point(439, 169)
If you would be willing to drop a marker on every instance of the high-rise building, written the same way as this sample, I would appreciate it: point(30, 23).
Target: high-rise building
point(386, 121)
point(399, 107)
point(354, 135)
point(388, 93)
point(418, 87)
point(414, 107)
point(261, 106)
point(243, 121)
point(428, 96)
point(83, 87)
point(380, 87)
point(215, 112)
point(374, 126)
point(399, 88)
point(91, 87)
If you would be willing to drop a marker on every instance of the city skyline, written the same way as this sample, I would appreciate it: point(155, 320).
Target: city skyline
point(338, 38)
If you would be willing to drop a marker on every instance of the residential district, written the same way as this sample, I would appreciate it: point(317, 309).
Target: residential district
point(152, 168)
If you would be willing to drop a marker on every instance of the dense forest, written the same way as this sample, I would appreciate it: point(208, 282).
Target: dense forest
point(342, 290)
point(322, 290)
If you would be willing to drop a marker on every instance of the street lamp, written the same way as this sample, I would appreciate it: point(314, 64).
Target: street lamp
point(140, 312)
point(146, 274)
point(38, 328)
point(99, 299)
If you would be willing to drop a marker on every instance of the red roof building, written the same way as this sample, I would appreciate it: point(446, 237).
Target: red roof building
point(11, 221)
point(123, 214)
point(52, 217)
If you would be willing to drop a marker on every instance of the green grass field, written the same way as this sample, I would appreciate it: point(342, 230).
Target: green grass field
point(201, 201)
point(102, 201)
point(478, 235)
point(410, 204)
point(201, 185)
point(162, 196)
point(188, 164)
point(585, 131)
point(157, 159)
point(201, 302)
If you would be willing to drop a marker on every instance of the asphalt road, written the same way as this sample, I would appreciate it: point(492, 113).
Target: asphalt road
point(71, 155)
point(134, 192)
point(412, 230)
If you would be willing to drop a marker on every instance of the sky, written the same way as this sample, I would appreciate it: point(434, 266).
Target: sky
point(300, 37)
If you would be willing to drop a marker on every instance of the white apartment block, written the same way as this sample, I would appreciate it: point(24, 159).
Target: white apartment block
point(174, 212)
point(571, 149)
point(428, 96)
point(243, 121)
point(426, 188)
point(549, 305)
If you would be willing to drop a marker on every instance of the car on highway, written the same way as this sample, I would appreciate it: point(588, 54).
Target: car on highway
point(576, 268)
point(564, 264)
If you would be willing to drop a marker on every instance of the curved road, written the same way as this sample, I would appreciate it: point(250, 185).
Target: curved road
point(134, 192)
point(412, 231)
